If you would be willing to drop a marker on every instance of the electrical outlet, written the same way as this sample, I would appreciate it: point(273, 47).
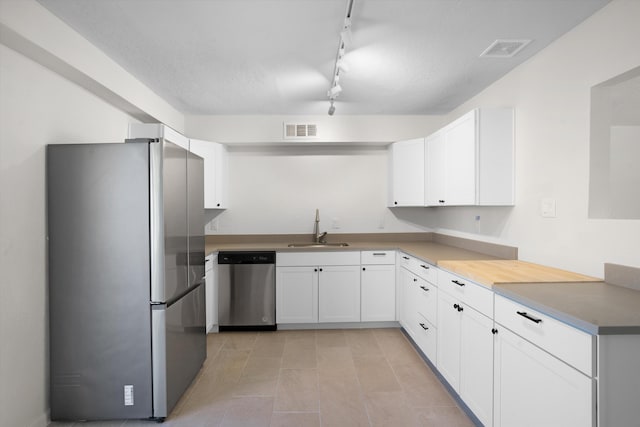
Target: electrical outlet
point(548, 208)
point(212, 226)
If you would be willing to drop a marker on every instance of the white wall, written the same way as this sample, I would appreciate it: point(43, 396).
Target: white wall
point(37, 107)
point(338, 129)
point(551, 95)
point(29, 28)
point(277, 190)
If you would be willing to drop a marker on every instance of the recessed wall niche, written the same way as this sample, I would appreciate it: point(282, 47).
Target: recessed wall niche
point(614, 173)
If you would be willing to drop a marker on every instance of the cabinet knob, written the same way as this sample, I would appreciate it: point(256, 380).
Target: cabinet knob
point(440, 201)
point(494, 331)
point(320, 269)
point(415, 280)
point(315, 269)
point(364, 269)
point(218, 204)
point(456, 306)
point(460, 308)
point(395, 203)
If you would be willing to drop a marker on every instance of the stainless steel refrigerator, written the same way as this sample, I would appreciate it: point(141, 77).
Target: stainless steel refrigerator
point(126, 266)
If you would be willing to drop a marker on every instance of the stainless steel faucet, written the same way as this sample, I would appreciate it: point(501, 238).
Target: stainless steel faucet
point(317, 236)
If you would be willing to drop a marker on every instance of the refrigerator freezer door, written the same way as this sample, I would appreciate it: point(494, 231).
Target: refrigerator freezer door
point(179, 348)
point(99, 313)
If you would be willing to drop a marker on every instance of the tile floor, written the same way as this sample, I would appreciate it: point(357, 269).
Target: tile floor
point(364, 377)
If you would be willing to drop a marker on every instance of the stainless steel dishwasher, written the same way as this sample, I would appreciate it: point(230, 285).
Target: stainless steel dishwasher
point(246, 291)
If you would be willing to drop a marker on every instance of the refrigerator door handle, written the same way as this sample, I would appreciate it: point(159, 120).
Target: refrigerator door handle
point(178, 297)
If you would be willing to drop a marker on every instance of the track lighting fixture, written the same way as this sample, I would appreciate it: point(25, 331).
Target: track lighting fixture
point(340, 65)
point(334, 91)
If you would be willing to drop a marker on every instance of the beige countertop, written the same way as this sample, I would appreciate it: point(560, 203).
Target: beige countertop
point(429, 251)
point(585, 302)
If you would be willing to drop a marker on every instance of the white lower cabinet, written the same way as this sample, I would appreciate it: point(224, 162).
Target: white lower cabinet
point(544, 370)
point(465, 354)
point(339, 293)
point(296, 294)
point(378, 293)
point(211, 291)
point(533, 388)
point(317, 294)
point(418, 306)
point(314, 287)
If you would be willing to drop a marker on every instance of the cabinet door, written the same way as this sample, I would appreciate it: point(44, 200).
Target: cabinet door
point(407, 173)
point(476, 364)
point(221, 179)
point(296, 295)
point(460, 175)
point(339, 293)
point(435, 165)
point(404, 278)
point(449, 329)
point(215, 172)
point(533, 388)
point(211, 290)
point(378, 293)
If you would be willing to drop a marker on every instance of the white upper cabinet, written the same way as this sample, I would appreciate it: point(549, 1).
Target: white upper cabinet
point(471, 160)
point(406, 173)
point(158, 130)
point(215, 172)
point(214, 155)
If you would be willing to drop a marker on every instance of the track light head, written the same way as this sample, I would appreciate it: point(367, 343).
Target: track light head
point(332, 109)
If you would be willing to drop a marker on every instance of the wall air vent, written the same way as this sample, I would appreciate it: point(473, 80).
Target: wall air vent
point(504, 48)
point(300, 131)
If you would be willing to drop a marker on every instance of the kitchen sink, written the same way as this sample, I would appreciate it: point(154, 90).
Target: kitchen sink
point(317, 245)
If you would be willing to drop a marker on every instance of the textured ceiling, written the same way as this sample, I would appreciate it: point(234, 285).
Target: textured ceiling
point(277, 56)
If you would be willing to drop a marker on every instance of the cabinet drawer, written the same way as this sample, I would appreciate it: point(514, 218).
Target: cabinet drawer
point(423, 269)
point(427, 300)
point(378, 257)
point(402, 260)
point(426, 338)
point(418, 267)
point(296, 259)
point(569, 344)
point(468, 292)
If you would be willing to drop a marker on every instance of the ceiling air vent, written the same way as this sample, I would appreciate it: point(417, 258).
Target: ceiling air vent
point(300, 131)
point(504, 48)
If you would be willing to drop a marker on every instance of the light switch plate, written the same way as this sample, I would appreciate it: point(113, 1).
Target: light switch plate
point(548, 208)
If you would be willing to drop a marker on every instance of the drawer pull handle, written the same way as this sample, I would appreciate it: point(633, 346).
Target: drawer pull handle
point(405, 257)
point(528, 316)
point(423, 326)
point(458, 283)
point(424, 266)
point(415, 280)
point(424, 288)
point(458, 307)
point(379, 254)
